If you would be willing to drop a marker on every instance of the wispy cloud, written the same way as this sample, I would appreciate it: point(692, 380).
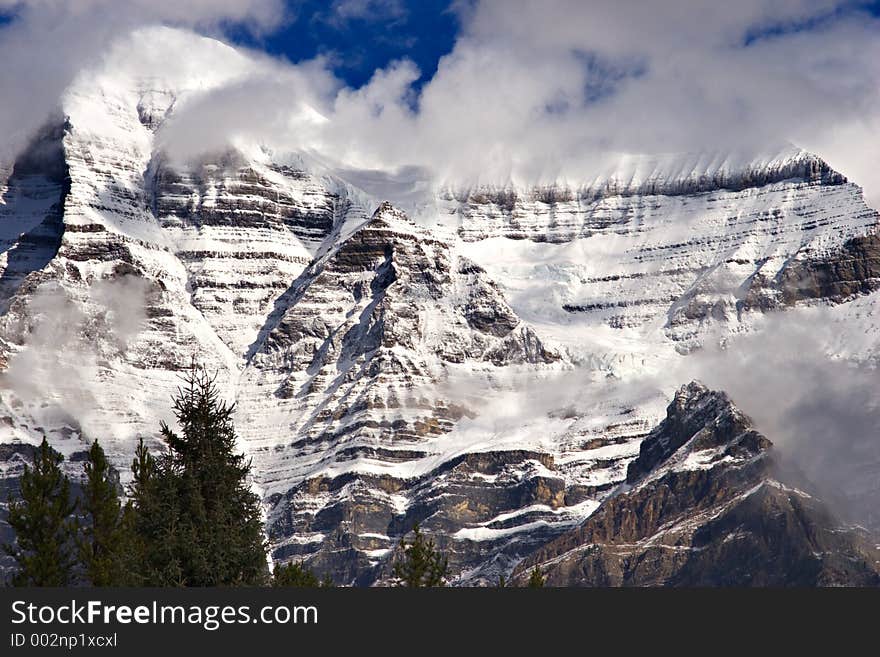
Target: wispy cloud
point(532, 91)
point(343, 11)
point(48, 42)
point(819, 409)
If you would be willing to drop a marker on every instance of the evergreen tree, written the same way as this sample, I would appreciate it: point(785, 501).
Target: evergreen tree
point(421, 564)
point(143, 471)
point(140, 516)
point(536, 579)
point(298, 575)
point(43, 523)
point(102, 539)
point(197, 519)
point(502, 582)
point(153, 515)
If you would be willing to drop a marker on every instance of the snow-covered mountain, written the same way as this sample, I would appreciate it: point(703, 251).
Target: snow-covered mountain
point(703, 505)
point(485, 361)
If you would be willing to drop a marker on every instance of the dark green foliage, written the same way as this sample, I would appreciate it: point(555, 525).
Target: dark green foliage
point(502, 582)
point(298, 574)
point(153, 514)
point(102, 539)
point(536, 579)
point(192, 519)
point(420, 564)
point(196, 518)
point(43, 524)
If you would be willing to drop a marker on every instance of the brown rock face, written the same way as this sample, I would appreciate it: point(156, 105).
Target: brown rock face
point(855, 270)
point(705, 509)
point(837, 277)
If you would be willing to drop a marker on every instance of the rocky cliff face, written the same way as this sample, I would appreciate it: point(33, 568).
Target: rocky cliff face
point(475, 365)
point(703, 506)
point(353, 358)
point(243, 231)
point(849, 271)
point(562, 212)
point(32, 210)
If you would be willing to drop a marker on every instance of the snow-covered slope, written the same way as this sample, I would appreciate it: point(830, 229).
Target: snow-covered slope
point(674, 262)
point(486, 366)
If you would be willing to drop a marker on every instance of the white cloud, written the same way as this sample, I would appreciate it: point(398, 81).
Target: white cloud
point(60, 357)
point(50, 41)
point(515, 92)
point(532, 91)
point(261, 14)
point(346, 10)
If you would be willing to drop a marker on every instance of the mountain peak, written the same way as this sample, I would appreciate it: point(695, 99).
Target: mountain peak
point(387, 214)
point(701, 426)
point(704, 507)
point(383, 207)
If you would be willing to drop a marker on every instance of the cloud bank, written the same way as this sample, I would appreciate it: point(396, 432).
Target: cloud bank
point(532, 91)
point(48, 42)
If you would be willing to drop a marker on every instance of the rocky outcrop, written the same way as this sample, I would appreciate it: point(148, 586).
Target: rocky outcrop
point(851, 270)
point(703, 507)
point(560, 213)
point(31, 210)
point(677, 258)
point(244, 231)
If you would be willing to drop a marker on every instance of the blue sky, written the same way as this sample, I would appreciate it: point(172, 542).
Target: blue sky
point(373, 33)
point(821, 19)
point(359, 42)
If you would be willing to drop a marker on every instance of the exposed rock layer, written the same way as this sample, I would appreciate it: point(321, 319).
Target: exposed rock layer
point(705, 509)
